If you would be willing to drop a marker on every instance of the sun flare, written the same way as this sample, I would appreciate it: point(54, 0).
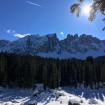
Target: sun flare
point(86, 9)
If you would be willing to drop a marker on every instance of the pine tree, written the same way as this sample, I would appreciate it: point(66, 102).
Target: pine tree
point(45, 76)
point(103, 73)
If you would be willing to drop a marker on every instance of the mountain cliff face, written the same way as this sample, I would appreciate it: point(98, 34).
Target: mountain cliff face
point(50, 46)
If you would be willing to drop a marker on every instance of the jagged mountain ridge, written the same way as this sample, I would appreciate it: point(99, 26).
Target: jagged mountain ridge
point(50, 46)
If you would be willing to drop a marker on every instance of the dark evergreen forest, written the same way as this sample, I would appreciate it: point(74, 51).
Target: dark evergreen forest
point(25, 71)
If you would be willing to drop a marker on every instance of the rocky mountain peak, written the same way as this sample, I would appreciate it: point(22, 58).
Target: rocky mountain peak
point(50, 46)
point(3, 43)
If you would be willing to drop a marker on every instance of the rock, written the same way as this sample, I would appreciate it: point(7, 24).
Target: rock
point(93, 101)
point(32, 102)
point(81, 101)
point(15, 101)
point(73, 102)
point(60, 102)
point(57, 94)
point(36, 93)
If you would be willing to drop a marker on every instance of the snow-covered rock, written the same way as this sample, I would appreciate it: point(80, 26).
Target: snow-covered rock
point(36, 92)
point(73, 102)
point(32, 102)
point(50, 46)
point(15, 101)
point(93, 101)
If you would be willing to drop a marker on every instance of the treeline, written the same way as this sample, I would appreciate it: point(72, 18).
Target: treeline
point(26, 71)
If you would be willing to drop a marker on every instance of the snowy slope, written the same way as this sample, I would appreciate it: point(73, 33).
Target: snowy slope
point(50, 46)
point(53, 97)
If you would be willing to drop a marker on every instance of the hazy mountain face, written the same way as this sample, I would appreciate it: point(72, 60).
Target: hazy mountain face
point(51, 46)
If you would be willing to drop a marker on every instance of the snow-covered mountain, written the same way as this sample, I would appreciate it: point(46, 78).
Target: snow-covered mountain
point(50, 46)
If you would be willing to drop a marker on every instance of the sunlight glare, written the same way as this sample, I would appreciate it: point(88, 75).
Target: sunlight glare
point(86, 9)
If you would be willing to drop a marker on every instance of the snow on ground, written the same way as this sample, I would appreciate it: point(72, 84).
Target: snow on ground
point(53, 97)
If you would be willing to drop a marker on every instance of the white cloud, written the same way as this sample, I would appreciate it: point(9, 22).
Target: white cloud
point(34, 4)
point(15, 34)
point(62, 33)
point(20, 35)
point(8, 31)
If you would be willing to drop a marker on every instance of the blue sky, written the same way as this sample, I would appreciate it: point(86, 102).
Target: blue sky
point(23, 17)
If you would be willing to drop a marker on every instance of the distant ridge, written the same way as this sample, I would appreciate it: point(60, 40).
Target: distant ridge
point(73, 46)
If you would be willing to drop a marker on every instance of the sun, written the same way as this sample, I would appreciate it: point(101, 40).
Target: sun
point(86, 9)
